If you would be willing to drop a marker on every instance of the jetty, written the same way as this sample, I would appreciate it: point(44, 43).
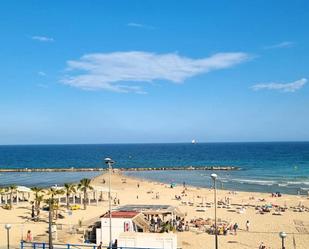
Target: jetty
point(73, 169)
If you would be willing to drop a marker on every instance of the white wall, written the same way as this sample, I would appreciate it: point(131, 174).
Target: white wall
point(118, 225)
point(148, 240)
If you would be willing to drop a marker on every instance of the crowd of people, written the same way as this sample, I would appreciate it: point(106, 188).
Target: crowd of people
point(176, 224)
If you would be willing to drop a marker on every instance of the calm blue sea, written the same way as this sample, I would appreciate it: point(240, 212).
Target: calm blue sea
point(265, 167)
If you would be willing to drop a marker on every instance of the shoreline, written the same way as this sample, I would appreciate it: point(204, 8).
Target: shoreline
point(224, 168)
point(197, 205)
point(190, 186)
point(29, 178)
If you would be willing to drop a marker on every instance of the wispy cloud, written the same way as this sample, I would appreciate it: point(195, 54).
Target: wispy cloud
point(284, 87)
point(42, 38)
point(120, 71)
point(139, 25)
point(41, 73)
point(285, 44)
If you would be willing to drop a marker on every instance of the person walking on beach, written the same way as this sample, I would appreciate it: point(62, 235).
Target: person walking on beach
point(262, 246)
point(100, 246)
point(29, 236)
point(235, 227)
point(32, 212)
point(247, 225)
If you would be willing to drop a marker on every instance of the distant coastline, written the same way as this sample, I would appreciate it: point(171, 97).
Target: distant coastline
point(259, 167)
point(225, 168)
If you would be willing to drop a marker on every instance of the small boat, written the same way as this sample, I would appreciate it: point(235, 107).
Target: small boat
point(193, 141)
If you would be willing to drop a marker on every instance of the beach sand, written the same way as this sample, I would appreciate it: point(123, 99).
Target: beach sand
point(263, 228)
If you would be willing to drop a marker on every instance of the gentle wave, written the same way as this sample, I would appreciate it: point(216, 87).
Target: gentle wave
point(265, 182)
point(250, 181)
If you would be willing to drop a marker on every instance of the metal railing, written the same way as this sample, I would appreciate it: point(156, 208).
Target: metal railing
point(43, 245)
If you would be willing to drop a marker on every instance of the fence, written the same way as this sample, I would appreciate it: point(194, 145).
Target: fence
point(40, 245)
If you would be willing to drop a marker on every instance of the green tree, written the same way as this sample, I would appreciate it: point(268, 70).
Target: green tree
point(69, 189)
point(53, 203)
point(85, 185)
point(38, 198)
point(2, 191)
point(12, 189)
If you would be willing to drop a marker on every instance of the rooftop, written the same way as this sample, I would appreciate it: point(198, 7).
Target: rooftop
point(151, 209)
point(121, 214)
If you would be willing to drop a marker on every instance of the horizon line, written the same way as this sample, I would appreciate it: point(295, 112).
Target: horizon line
point(136, 143)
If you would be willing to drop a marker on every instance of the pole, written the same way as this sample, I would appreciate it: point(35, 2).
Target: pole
point(50, 220)
point(283, 243)
point(8, 237)
point(215, 200)
point(110, 206)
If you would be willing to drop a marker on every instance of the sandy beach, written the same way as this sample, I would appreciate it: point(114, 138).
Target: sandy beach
point(263, 227)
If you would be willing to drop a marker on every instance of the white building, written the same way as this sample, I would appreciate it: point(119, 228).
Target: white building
point(147, 240)
point(122, 221)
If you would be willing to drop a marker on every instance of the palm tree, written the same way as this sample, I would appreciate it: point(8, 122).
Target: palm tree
point(84, 185)
point(69, 189)
point(37, 198)
point(2, 191)
point(12, 189)
point(52, 192)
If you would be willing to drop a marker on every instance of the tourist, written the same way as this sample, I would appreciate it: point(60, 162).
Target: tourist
point(99, 246)
point(156, 223)
point(224, 229)
point(174, 223)
point(187, 226)
point(235, 227)
point(115, 245)
point(159, 222)
point(262, 246)
point(247, 225)
point(29, 236)
point(32, 212)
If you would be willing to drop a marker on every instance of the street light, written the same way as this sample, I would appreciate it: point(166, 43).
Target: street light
point(8, 227)
point(282, 235)
point(109, 162)
point(214, 178)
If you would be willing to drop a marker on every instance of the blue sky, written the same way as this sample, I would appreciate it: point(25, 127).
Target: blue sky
point(153, 71)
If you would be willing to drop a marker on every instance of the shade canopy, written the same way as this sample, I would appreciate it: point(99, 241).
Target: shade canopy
point(23, 189)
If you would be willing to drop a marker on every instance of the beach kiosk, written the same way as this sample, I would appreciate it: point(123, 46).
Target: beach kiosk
point(122, 221)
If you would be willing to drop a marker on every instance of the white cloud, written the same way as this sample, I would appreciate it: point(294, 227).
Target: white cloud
point(42, 38)
point(41, 73)
point(139, 25)
point(117, 71)
point(285, 44)
point(284, 87)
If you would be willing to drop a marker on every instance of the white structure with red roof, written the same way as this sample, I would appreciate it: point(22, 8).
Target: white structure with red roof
point(122, 221)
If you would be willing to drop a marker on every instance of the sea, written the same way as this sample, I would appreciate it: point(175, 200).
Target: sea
point(264, 167)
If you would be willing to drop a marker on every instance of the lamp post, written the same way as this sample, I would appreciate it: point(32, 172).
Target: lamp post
point(214, 178)
point(8, 227)
point(109, 162)
point(50, 222)
point(282, 235)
